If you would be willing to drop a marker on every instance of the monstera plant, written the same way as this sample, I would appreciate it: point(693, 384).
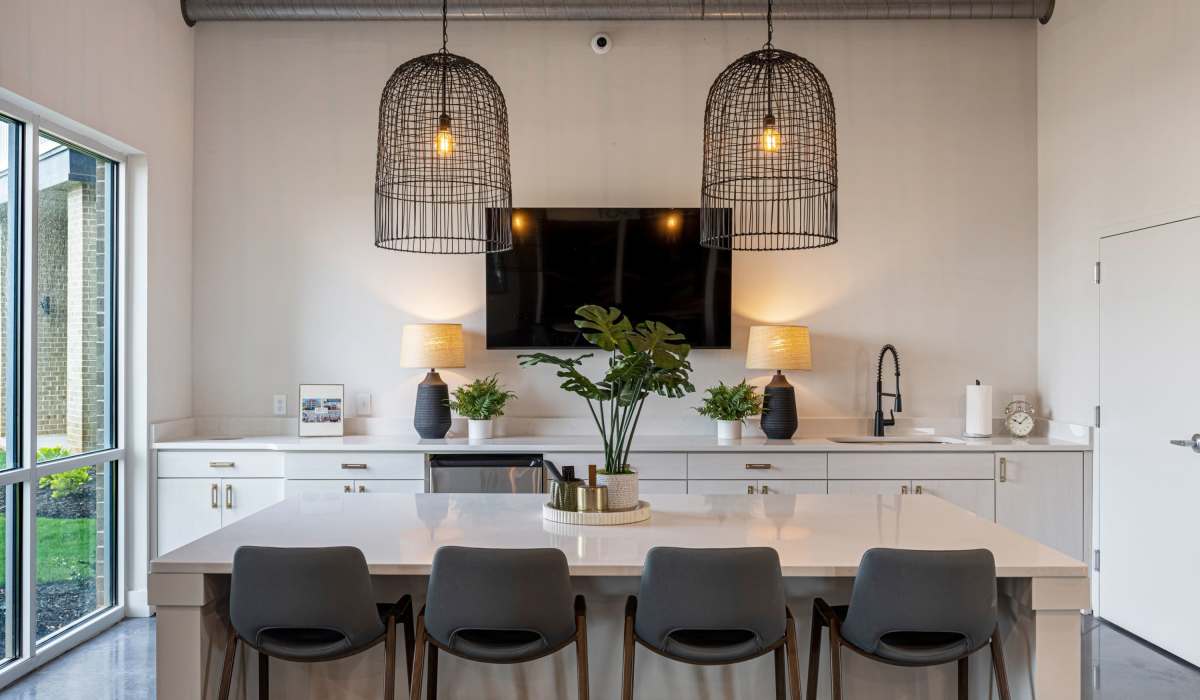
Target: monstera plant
point(645, 359)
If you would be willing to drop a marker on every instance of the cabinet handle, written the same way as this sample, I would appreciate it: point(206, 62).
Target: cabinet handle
point(346, 488)
point(221, 465)
point(904, 490)
point(919, 490)
point(750, 489)
point(763, 489)
point(362, 489)
point(758, 466)
point(229, 496)
point(1003, 469)
point(354, 466)
point(215, 504)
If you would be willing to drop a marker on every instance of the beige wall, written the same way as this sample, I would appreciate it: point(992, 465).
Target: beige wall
point(1118, 108)
point(937, 140)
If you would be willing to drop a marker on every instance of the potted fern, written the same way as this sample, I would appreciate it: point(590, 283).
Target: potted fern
point(645, 359)
point(729, 406)
point(480, 402)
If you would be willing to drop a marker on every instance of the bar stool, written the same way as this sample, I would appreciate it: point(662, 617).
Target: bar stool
point(914, 608)
point(711, 607)
point(499, 606)
point(309, 604)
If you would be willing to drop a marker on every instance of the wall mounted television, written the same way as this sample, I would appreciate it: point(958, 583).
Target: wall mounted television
point(646, 262)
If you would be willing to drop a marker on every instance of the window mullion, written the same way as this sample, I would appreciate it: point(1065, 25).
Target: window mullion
point(27, 429)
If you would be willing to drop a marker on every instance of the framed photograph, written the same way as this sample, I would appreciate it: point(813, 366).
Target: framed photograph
point(321, 413)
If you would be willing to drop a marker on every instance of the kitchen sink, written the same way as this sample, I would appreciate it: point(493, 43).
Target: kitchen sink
point(898, 440)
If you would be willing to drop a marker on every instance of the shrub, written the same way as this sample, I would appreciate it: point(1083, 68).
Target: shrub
point(63, 483)
point(731, 402)
point(482, 399)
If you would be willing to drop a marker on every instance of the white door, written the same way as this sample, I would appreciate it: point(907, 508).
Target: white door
point(1040, 495)
point(1149, 347)
point(188, 509)
point(242, 497)
point(792, 486)
point(389, 486)
point(869, 487)
point(662, 486)
point(299, 487)
point(975, 495)
point(717, 487)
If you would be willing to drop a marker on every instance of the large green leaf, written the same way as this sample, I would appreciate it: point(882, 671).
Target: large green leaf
point(660, 343)
point(610, 330)
point(573, 380)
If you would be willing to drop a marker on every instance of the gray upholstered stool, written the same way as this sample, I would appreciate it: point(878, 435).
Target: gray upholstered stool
point(712, 606)
point(309, 604)
point(499, 606)
point(914, 608)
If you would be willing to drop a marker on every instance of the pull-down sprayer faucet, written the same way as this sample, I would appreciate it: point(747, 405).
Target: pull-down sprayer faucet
point(880, 421)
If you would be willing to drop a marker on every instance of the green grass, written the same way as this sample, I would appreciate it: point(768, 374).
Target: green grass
point(66, 549)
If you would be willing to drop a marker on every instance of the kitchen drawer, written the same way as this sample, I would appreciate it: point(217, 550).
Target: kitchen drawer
point(756, 465)
point(299, 487)
point(911, 465)
point(662, 486)
point(219, 465)
point(648, 465)
point(389, 486)
point(722, 487)
point(790, 487)
point(355, 465)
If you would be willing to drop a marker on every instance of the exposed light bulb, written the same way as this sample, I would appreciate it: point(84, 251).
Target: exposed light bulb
point(769, 141)
point(444, 141)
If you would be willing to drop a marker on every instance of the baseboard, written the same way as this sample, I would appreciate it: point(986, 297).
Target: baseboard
point(137, 603)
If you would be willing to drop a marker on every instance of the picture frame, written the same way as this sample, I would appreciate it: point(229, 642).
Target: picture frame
point(322, 410)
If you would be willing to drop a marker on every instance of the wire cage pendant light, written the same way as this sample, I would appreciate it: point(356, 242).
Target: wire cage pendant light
point(769, 179)
point(443, 182)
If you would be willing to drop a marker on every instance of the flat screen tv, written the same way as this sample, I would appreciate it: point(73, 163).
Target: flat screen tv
point(646, 262)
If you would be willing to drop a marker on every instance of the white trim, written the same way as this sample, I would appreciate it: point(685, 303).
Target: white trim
point(85, 459)
point(28, 442)
point(60, 644)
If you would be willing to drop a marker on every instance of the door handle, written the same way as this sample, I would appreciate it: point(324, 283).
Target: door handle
point(758, 466)
point(919, 490)
point(346, 488)
point(362, 489)
point(229, 496)
point(750, 489)
point(215, 504)
point(1003, 469)
point(354, 466)
point(221, 465)
point(763, 489)
point(903, 490)
point(1194, 443)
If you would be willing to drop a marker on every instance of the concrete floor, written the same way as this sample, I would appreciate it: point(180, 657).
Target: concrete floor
point(119, 665)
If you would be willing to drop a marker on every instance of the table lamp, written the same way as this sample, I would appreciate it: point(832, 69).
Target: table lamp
point(432, 345)
point(779, 348)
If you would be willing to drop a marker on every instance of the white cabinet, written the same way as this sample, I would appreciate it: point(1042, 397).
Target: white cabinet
point(792, 486)
point(1041, 496)
point(756, 465)
point(975, 495)
point(662, 486)
point(713, 487)
point(297, 487)
point(869, 487)
point(389, 486)
point(190, 508)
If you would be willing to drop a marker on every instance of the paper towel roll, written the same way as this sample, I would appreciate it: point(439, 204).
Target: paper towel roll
point(979, 411)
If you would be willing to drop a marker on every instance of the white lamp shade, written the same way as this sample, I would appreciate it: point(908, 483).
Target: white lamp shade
point(779, 347)
point(432, 345)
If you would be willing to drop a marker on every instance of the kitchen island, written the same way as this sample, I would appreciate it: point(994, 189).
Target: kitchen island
point(819, 538)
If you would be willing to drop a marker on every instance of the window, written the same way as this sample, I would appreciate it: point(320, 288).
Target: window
point(60, 456)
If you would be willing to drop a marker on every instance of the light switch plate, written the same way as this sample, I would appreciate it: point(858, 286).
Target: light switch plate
point(279, 405)
point(362, 404)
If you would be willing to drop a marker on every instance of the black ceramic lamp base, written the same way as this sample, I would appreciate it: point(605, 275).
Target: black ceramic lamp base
point(779, 421)
point(432, 415)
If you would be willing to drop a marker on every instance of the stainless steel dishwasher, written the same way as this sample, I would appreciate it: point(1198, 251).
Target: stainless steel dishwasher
point(491, 473)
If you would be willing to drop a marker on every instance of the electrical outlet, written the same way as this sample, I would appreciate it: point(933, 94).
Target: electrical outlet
point(362, 404)
point(279, 405)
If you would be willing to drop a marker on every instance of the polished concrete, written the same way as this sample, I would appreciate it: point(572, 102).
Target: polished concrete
point(119, 665)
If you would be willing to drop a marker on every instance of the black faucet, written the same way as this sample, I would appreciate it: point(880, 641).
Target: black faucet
point(880, 421)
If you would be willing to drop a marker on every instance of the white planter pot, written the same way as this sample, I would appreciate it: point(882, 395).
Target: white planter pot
point(622, 489)
point(729, 430)
point(479, 429)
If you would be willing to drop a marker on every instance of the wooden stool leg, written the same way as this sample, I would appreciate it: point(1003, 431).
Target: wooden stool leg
point(835, 664)
point(227, 670)
point(414, 678)
point(780, 678)
point(264, 676)
point(389, 651)
point(581, 661)
point(814, 653)
point(409, 642)
point(998, 664)
point(964, 678)
point(431, 673)
point(793, 657)
point(629, 651)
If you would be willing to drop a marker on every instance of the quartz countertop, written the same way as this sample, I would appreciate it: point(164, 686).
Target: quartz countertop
point(588, 443)
point(816, 536)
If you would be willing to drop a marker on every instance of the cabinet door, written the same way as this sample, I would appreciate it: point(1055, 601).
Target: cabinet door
point(662, 486)
point(299, 487)
point(389, 486)
point(792, 486)
point(869, 487)
point(1040, 495)
point(717, 487)
point(975, 495)
point(242, 497)
point(188, 509)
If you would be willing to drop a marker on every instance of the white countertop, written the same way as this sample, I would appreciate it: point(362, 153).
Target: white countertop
point(816, 536)
point(580, 443)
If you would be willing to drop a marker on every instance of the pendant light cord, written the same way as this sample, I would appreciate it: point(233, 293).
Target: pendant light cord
point(770, 25)
point(445, 35)
point(445, 38)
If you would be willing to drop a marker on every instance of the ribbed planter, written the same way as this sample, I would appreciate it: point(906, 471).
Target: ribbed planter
point(729, 430)
point(622, 489)
point(480, 429)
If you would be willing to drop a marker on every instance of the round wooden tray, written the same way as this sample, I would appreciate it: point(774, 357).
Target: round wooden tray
point(612, 517)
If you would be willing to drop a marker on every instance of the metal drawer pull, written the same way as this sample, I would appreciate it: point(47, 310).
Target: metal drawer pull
point(362, 489)
point(221, 465)
point(919, 491)
point(215, 503)
point(1194, 443)
point(758, 466)
point(346, 488)
point(1003, 469)
point(763, 489)
point(903, 490)
point(354, 466)
point(229, 496)
point(750, 489)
